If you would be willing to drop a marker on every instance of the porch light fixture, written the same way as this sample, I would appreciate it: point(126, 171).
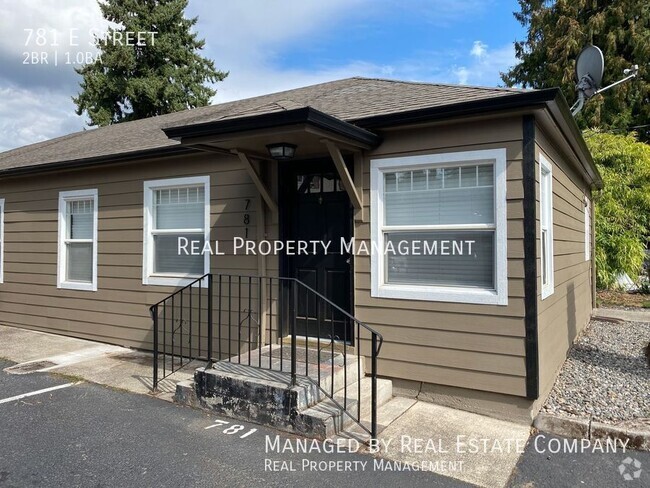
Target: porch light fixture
point(281, 151)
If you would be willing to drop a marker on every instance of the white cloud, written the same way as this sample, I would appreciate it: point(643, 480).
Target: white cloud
point(27, 116)
point(442, 12)
point(246, 37)
point(462, 74)
point(485, 64)
point(41, 38)
point(249, 44)
point(478, 49)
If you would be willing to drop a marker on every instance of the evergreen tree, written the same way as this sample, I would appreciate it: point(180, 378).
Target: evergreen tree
point(162, 73)
point(557, 32)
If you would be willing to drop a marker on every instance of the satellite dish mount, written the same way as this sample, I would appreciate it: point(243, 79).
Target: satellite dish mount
point(590, 67)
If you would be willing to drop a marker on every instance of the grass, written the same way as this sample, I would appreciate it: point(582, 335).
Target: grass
point(611, 298)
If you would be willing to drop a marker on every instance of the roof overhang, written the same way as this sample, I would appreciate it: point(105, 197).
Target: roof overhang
point(302, 124)
point(118, 158)
point(551, 101)
point(559, 111)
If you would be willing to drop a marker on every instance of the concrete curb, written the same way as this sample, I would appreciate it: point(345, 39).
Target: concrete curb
point(583, 427)
point(619, 315)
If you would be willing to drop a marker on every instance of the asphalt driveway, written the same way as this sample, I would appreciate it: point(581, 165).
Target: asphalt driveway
point(89, 435)
point(73, 433)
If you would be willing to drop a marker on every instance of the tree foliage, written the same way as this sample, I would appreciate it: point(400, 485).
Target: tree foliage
point(557, 32)
point(164, 74)
point(622, 207)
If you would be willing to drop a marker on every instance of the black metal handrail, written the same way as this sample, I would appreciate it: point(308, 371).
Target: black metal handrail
point(174, 348)
point(254, 317)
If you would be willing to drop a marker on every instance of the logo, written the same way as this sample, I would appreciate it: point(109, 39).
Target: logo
point(630, 469)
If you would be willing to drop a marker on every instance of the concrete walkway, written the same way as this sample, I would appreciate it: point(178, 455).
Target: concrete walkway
point(640, 315)
point(465, 446)
point(114, 366)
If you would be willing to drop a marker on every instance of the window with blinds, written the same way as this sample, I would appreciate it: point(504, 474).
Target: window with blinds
point(78, 240)
point(454, 204)
point(175, 209)
point(436, 203)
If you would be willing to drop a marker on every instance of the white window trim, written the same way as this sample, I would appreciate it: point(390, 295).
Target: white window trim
point(168, 279)
point(2, 240)
point(380, 289)
point(548, 288)
point(64, 197)
point(587, 228)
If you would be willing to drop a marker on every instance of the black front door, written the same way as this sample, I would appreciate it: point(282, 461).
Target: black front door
point(317, 211)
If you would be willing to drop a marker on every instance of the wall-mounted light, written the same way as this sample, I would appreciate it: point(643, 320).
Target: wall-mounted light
point(282, 150)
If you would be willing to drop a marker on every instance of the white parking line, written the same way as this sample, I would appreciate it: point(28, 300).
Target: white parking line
point(38, 392)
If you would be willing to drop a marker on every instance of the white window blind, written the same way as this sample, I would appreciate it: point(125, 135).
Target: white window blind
point(78, 239)
point(176, 209)
point(444, 198)
point(179, 212)
point(450, 210)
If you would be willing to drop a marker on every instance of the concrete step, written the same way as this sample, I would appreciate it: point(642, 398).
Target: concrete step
point(386, 415)
point(265, 395)
point(327, 418)
point(384, 394)
point(331, 374)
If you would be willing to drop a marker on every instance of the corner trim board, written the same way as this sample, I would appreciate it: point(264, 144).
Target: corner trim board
point(530, 258)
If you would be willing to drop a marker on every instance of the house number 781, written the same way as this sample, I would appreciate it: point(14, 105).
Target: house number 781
point(231, 430)
point(247, 216)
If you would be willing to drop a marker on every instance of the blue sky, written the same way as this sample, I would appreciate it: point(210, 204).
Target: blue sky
point(267, 45)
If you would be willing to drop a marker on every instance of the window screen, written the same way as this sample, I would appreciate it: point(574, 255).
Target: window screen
point(79, 240)
point(448, 208)
point(178, 212)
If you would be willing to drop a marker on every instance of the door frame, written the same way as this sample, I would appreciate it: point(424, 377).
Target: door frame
point(287, 170)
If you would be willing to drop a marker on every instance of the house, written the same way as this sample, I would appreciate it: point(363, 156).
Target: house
point(465, 214)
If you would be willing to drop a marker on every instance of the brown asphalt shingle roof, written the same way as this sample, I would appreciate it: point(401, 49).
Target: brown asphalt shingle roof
point(349, 99)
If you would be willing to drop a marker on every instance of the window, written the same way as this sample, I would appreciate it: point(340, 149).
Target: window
point(546, 226)
point(587, 229)
point(2, 239)
point(176, 211)
point(439, 227)
point(77, 254)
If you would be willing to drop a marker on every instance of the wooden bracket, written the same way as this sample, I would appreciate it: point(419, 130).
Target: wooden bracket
point(261, 187)
point(360, 215)
point(344, 174)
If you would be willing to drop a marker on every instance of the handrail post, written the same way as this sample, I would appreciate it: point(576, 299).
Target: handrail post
point(373, 376)
point(154, 316)
point(209, 319)
point(293, 333)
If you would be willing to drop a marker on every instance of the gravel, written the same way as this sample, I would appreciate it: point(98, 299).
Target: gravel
point(606, 376)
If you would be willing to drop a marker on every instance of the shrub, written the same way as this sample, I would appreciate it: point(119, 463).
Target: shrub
point(622, 207)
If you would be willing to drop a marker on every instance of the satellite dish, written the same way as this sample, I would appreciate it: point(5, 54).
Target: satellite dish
point(590, 67)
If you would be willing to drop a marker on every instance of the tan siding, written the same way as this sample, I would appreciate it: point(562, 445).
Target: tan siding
point(565, 313)
point(118, 311)
point(468, 346)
